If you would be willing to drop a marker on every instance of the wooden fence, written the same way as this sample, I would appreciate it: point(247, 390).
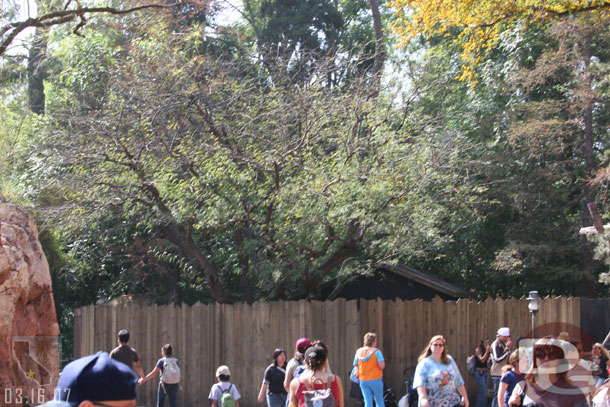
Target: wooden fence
point(244, 336)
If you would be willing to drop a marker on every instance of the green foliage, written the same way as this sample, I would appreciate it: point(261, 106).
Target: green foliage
point(280, 187)
point(524, 232)
point(254, 164)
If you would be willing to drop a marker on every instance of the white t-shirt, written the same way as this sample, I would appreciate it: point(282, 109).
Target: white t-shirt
point(218, 388)
point(292, 365)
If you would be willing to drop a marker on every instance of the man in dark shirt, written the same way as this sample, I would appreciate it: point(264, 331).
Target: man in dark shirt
point(126, 354)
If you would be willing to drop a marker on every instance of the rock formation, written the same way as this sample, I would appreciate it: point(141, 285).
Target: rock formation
point(29, 333)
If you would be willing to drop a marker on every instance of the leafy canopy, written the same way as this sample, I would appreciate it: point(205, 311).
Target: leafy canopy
point(479, 23)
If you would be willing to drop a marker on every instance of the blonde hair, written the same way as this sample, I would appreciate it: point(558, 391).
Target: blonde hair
point(602, 349)
point(369, 339)
point(428, 350)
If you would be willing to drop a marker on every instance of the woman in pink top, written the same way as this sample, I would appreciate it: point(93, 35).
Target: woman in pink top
point(370, 363)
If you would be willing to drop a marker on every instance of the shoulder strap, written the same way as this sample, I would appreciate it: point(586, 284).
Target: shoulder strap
point(303, 382)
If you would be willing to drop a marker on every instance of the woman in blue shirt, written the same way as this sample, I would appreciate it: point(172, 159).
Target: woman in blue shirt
point(510, 377)
point(167, 387)
point(437, 377)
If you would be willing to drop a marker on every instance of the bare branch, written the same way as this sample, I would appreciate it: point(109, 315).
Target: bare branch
point(64, 16)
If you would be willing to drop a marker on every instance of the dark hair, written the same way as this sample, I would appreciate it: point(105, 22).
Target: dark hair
point(315, 356)
point(224, 377)
point(167, 349)
point(123, 335)
point(320, 343)
point(276, 354)
point(482, 345)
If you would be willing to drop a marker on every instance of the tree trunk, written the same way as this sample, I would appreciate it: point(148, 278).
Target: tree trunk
point(343, 253)
point(244, 265)
point(588, 284)
point(179, 237)
point(182, 238)
point(380, 51)
point(36, 70)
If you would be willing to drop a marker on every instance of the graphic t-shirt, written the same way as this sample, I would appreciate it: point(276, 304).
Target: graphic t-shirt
point(441, 381)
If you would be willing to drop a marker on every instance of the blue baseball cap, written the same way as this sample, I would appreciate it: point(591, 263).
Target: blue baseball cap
point(97, 378)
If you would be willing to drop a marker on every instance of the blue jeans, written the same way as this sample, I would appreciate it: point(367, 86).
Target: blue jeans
point(482, 379)
point(172, 391)
point(276, 400)
point(370, 389)
point(496, 380)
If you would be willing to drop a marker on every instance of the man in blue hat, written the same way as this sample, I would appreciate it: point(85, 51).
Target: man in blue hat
point(95, 380)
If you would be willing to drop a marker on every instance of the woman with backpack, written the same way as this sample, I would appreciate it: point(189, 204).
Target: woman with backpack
point(273, 382)
point(170, 376)
point(316, 385)
point(370, 364)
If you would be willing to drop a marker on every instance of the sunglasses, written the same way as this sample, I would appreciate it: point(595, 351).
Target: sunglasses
point(545, 353)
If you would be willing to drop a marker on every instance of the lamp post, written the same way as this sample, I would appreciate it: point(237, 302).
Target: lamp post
point(533, 304)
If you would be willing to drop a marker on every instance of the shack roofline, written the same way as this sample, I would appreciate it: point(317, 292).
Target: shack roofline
point(427, 280)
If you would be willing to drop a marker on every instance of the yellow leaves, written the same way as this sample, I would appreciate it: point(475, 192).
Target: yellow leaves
point(480, 21)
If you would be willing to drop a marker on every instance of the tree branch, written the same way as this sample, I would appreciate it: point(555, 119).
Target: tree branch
point(64, 16)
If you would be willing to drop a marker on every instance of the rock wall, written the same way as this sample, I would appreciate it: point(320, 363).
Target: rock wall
point(29, 333)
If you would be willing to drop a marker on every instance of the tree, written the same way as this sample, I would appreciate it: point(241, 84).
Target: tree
point(380, 51)
point(556, 137)
point(480, 23)
point(295, 36)
point(259, 190)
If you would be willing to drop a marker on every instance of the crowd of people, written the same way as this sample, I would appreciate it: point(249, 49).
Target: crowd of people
point(545, 372)
point(549, 371)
